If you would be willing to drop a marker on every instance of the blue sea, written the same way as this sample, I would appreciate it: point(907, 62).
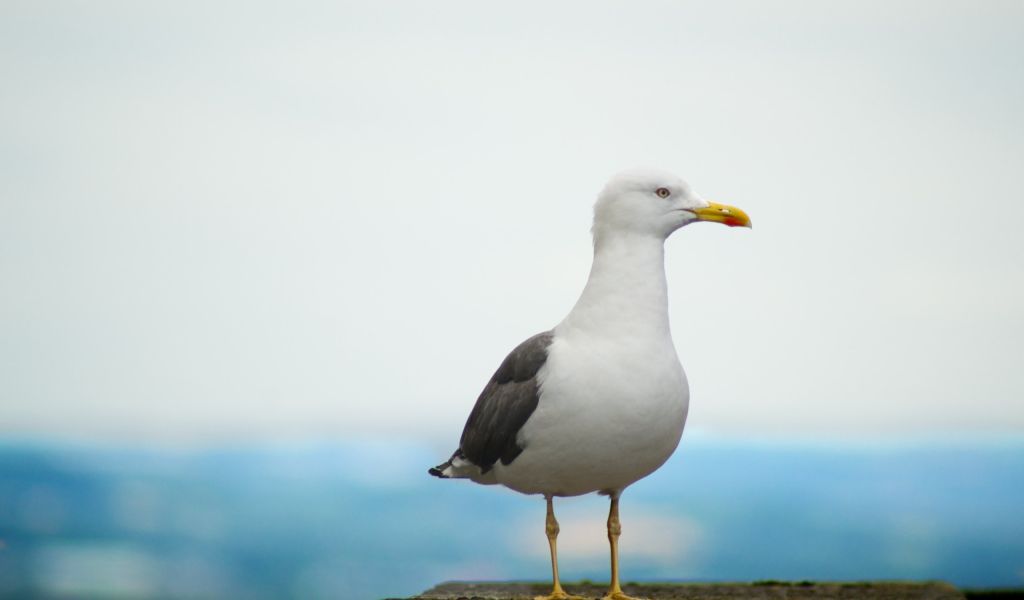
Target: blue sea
point(362, 519)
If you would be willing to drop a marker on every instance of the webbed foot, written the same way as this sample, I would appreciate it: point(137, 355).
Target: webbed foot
point(559, 595)
point(618, 595)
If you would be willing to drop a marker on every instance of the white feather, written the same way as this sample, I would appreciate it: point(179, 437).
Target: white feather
point(613, 397)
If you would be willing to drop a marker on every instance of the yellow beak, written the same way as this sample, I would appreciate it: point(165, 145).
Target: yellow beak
point(722, 213)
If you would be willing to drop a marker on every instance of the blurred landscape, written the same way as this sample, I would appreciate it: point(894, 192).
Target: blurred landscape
point(361, 519)
point(330, 221)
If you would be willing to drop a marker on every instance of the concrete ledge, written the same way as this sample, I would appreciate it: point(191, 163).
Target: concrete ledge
point(763, 590)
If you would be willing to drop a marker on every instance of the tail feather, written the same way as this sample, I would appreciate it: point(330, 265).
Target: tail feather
point(439, 470)
point(456, 467)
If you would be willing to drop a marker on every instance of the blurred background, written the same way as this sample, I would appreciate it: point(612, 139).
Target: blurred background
point(257, 261)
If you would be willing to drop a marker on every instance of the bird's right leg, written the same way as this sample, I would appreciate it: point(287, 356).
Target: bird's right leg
point(551, 528)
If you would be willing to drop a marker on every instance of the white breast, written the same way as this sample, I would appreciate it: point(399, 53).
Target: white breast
point(613, 395)
point(611, 412)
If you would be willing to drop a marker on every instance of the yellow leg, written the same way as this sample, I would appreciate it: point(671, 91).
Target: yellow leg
point(614, 530)
point(551, 528)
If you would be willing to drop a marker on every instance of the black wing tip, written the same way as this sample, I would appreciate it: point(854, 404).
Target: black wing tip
point(438, 471)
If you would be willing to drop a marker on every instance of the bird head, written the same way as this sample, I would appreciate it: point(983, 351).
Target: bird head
point(656, 203)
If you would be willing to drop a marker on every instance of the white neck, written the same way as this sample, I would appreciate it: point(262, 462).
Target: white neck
point(626, 294)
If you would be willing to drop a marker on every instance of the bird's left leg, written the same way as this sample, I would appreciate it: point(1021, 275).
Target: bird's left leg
point(551, 529)
point(614, 529)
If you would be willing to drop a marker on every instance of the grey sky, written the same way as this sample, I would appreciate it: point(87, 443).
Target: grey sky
point(323, 218)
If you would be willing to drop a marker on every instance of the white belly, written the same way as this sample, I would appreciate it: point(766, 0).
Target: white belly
point(610, 413)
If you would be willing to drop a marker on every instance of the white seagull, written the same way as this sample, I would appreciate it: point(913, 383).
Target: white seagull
point(599, 401)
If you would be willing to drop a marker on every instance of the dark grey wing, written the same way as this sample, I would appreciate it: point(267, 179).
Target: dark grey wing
point(507, 401)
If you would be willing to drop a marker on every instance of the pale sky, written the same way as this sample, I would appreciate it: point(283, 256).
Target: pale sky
point(274, 220)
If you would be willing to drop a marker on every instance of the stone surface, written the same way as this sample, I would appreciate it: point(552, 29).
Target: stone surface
point(766, 590)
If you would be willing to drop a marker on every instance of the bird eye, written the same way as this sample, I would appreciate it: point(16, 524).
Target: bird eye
point(663, 192)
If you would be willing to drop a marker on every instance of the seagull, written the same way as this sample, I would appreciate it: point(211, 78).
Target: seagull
point(598, 402)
